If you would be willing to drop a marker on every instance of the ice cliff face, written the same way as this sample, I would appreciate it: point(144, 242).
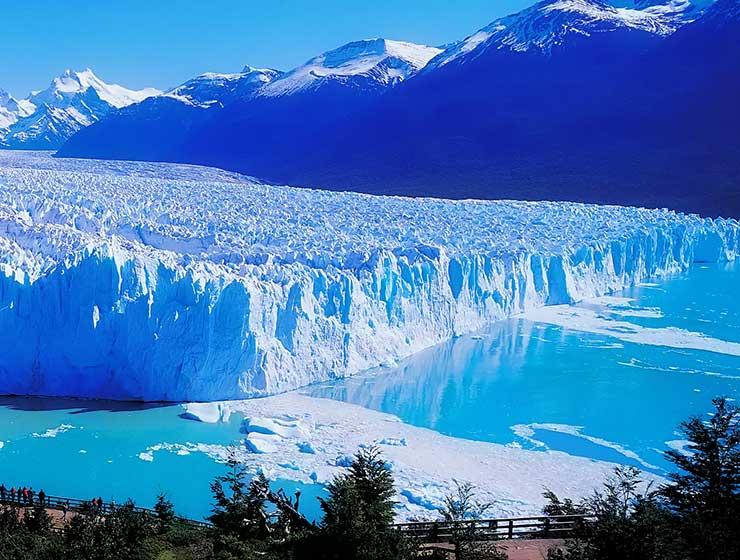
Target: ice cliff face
point(166, 282)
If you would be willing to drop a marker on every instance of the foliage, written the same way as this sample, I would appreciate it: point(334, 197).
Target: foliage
point(165, 513)
point(694, 517)
point(705, 491)
point(357, 515)
point(461, 510)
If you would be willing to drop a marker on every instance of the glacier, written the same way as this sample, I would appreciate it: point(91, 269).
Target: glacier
point(166, 282)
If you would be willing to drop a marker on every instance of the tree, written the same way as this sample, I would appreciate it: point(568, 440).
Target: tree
point(37, 520)
point(629, 522)
point(234, 511)
point(461, 511)
point(165, 512)
point(358, 514)
point(705, 490)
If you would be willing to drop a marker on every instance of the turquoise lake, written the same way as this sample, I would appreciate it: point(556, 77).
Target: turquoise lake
point(520, 383)
point(624, 395)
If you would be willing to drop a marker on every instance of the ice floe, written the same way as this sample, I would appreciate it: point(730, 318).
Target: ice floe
point(424, 462)
point(592, 317)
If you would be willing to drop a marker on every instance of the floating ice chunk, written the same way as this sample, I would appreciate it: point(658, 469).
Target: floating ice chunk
point(588, 319)
point(210, 413)
point(147, 456)
point(289, 429)
point(54, 432)
point(424, 496)
point(393, 442)
point(306, 447)
point(2, 444)
point(261, 443)
point(344, 461)
point(680, 445)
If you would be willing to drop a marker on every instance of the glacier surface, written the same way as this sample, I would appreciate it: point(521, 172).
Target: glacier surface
point(172, 282)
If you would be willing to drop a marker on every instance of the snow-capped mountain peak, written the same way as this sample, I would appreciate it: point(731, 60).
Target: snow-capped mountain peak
point(72, 101)
point(382, 62)
point(65, 87)
point(550, 23)
point(211, 88)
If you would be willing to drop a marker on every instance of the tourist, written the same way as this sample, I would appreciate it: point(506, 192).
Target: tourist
point(42, 497)
point(3, 492)
point(12, 495)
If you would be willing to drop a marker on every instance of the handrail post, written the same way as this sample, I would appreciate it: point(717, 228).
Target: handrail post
point(511, 528)
point(547, 526)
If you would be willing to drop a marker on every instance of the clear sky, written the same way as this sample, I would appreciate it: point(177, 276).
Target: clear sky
point(161, 43)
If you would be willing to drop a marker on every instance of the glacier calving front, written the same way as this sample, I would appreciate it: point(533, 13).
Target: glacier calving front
point(166, 282)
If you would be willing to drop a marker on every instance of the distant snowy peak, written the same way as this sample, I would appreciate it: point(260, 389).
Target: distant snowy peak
point(213, 88)
point(550, 23)
point(11, 109)
point(70, 84)
point(372, 63)
point(72, 101)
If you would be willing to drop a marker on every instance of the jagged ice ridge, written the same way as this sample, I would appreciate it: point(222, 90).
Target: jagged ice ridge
point(170, 282)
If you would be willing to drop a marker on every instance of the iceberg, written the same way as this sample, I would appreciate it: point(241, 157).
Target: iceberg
point(166, 282)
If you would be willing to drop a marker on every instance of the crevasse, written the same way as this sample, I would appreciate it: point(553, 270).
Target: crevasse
point(223, 303)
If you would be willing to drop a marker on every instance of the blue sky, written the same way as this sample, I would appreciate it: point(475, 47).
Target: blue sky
point(164, 42)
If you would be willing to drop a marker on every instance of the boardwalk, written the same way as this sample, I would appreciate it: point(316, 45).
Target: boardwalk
point(61, 509)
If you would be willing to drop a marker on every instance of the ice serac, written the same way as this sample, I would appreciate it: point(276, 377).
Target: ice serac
point(167, 282)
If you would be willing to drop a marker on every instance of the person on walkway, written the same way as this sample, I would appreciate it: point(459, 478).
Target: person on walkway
point(31, 495)
point(3, 492)
point(12, 495)
point(65, 507)
point(23, 498)
point(42, 497)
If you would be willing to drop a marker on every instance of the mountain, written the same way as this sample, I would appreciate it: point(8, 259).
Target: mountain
point(73, 100)
point(11, 110)
point(374, 64)
point(220, 89)
point(626, 103)
point(157, 128)
point(259, 117)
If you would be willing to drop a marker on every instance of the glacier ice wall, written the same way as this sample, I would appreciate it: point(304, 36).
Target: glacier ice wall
point(166, 282)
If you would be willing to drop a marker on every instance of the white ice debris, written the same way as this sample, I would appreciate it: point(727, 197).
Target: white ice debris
point(210, 413)
point(424, 468)
point(53, 432)
point(170, 282)
point(592, 316)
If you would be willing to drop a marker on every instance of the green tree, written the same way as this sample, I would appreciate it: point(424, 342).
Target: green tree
point(629, 522)
point(705, 490)
point(358, 515)
point(461, 512)
point(165, 512)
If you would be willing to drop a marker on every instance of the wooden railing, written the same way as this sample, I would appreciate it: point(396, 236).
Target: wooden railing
point(72, 505)
point(559, 526)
